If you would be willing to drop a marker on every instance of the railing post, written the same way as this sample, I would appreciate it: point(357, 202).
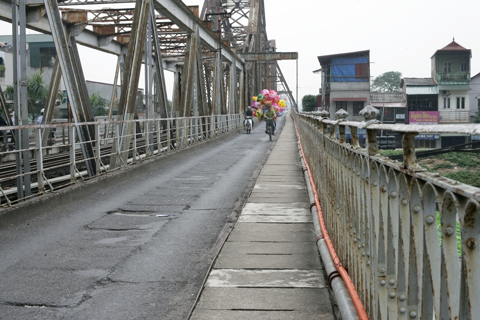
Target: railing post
point(324, 114)
point(97, 148)
point(370, 114)
point(341, 116)
point(38, 144)
point(71, 137)
point(409, 156)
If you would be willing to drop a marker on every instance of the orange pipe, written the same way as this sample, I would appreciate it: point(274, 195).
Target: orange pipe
point(362, 315)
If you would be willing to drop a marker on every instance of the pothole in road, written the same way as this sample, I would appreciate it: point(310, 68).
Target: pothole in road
point(136, 213)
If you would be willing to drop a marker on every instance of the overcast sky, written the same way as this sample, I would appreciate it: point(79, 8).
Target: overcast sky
point(401, 35)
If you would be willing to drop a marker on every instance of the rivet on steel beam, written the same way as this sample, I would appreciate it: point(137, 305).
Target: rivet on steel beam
point(393, 194)
point(416, 209)
point(363, 254)
point(368, 254)
point(375, 184)
point(401, 297)
point(384, 189)
point(363, 245)
point(429, 219)
point(358, 173)
point(404, 202)
point(359, 246)
point(392, 295)
point(382, 270)
point(471, 243)
point(448, 231)
point(413, 314)
point(383, 282)
point(402, 310)
point(391, 282)
point(368, 263)
point(354, 231)
point(354, 239)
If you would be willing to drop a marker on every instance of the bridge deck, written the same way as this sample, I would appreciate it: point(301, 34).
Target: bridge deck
point(269, 266)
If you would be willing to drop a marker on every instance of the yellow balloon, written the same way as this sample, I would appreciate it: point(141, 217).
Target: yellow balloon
point(254, 98)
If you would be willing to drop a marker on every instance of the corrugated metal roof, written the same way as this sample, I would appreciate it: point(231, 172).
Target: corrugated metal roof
point(422, 90)
point(389, 97)
point(31, 38)
point(346, 54)
point(418, 82)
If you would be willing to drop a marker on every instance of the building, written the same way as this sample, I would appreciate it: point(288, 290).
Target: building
point(474, 95)
point(41, 54)
point(346, 82)
point(392, 107)
point(451, 73)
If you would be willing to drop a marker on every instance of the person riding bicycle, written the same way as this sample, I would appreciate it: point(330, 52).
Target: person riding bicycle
point(248, 115)
point(270, 116)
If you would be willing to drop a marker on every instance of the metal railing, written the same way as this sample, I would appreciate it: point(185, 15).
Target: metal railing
point(453, 77)
point(454, 116)
point(59, 162)
point(408, 238)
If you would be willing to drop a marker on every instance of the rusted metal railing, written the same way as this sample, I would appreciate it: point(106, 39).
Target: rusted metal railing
point(59, 162)
point(395, 226)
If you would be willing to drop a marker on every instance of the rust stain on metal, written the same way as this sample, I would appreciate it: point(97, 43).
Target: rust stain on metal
point(74, 16)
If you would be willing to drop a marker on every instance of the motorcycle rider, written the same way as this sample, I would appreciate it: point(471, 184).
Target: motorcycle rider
point(270, 116)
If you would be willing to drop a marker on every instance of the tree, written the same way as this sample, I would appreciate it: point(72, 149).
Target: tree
point(37, 92)
point(477, 117)
point(388, 82)
point(98, 105)
point(309, 103)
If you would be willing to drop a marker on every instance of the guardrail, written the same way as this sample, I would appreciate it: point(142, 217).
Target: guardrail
point(61, 163)
point(408, 238)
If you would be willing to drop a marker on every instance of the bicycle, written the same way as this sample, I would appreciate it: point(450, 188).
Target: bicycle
point(269, 128)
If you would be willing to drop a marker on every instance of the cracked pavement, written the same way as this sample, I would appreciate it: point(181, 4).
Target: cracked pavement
point(109, 256)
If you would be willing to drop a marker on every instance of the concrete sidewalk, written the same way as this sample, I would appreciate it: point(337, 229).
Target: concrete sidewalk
point(269, 267)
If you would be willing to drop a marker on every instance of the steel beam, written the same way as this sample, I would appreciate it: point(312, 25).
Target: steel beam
point(71, 68)
point(269, 56)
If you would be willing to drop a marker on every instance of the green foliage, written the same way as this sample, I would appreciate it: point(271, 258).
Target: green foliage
point(461, 159)
point(98, 105)
point(388, 82)
point(309, 103)
point(458, 233)
point(465, 176)
point(444, 165)
point(2, 67)
point(388, 153)
point(37, 92)
point(477, 117)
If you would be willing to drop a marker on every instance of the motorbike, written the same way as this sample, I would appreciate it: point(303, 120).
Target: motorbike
point(248, 124)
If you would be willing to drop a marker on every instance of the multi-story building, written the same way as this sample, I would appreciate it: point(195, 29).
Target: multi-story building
point(346, 82)
point(451, 73)
point(474, 95)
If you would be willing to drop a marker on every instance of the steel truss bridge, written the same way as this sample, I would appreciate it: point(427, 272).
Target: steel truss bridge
point(406, 240)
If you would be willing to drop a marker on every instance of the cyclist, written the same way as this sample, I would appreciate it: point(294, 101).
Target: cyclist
point(270, 116)
point(248, 115)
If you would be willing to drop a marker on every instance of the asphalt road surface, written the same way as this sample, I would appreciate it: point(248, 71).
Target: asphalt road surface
point(140, 249)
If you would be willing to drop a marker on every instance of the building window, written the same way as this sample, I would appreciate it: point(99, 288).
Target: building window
point(357, 107)
point(463, 67)
point(460, 102)
point(341, 105)
point(447, 67)
point(446, 103)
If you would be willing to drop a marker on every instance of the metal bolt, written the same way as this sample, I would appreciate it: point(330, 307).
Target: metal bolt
point(363, 254)
point(392, 295)
point(413, 314)
point(391, 282)
point(358, 173)
point(429, 219)
point(363, 245)
point(384, 189)
point(404, 202)
point(416, 209)
point(359, 246)
point(354, 239)
point(354, 231)
point(471, 243)
point(382, 282)
point(375, 184)
point(368, 263)
point(382, 270)
point(448, 231)
point(401, 297)
point(402, 310)
point(368, 254)
point(393, 194)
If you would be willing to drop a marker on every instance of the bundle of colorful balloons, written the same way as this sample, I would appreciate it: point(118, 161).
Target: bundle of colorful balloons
point(265, 99)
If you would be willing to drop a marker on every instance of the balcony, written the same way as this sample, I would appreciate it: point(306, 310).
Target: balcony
point(453, 78)
point(456, 116)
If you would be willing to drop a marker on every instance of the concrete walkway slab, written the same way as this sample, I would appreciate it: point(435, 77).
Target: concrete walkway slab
point(269, 267)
